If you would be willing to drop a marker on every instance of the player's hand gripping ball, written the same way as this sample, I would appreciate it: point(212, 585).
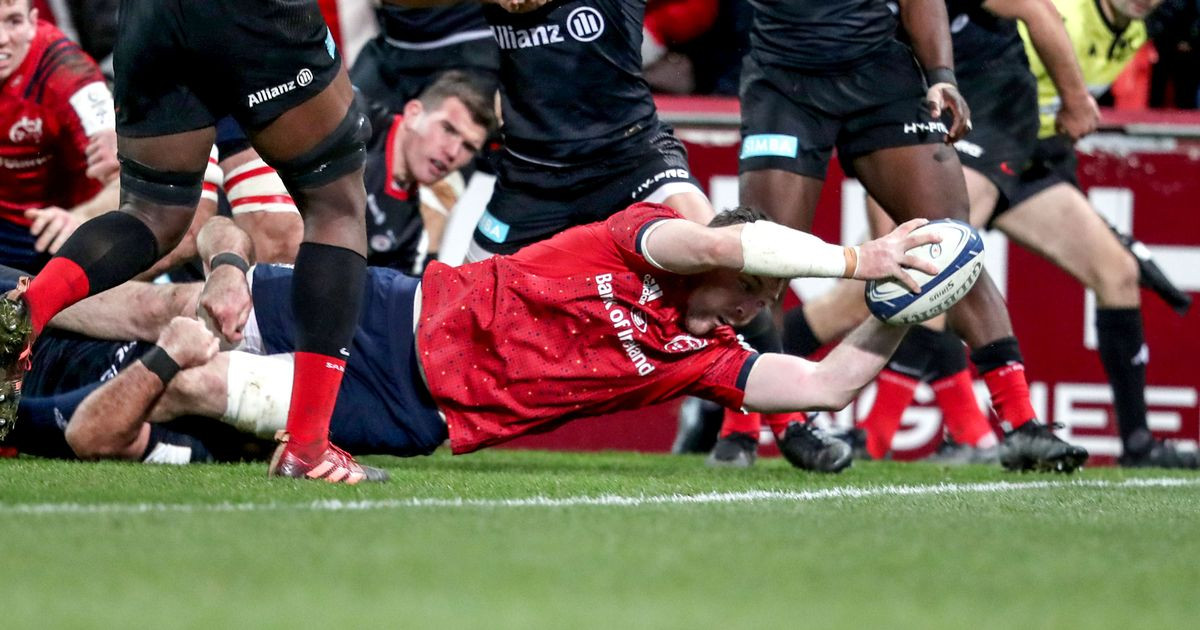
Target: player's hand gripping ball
point(959, 259)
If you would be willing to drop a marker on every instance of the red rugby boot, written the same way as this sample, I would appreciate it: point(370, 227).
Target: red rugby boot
point(334, 465)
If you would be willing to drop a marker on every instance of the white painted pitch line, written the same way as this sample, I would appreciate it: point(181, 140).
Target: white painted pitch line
point(753, 496)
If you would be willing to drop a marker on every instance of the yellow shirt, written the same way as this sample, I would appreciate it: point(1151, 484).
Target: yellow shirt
point(1103, 52)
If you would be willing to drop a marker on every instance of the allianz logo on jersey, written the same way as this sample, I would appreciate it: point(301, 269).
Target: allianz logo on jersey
point(584, 24)
point(303, 78)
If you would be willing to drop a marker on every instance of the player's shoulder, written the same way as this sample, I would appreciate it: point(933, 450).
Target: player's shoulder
point(62, 68)
point(644, 211)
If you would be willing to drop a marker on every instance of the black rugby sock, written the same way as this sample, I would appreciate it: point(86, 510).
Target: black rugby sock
point(327, 293)
point(111, 249)
point(101, 254)
point(1124, 355)
point(915, 352)
point(949, 356)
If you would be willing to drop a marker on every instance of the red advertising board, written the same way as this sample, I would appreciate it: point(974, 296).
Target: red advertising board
point(1142, 172)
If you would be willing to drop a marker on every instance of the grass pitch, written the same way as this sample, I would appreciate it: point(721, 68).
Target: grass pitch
point(520, 539)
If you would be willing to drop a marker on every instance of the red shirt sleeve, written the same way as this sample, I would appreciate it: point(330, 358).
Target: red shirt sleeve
point(76, 93)
point(629, 225)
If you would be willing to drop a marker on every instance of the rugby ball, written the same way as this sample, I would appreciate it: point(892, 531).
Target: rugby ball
point(959, 259)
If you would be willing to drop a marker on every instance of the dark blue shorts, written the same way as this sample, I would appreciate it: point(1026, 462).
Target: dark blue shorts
point(383, 405)
point(16, 249)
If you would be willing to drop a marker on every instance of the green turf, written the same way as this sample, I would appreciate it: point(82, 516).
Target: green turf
point(1075, 556)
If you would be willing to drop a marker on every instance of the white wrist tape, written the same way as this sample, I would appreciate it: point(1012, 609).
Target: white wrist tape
point(214, 177)
point(256, 187)
point(258, 391)
point(770, 249)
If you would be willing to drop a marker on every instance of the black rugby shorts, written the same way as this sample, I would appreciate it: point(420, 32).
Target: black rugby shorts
point(1004, 115)
point(182, 64)
point(1053, 162)
point(792, 120)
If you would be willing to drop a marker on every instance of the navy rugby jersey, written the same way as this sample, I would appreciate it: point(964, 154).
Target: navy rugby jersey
point(819, 34)
point(571, 79)
point(983, 42)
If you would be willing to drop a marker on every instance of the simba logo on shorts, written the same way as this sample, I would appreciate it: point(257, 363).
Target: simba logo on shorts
point(769, 145)
point(684, 343)
point(303, 78)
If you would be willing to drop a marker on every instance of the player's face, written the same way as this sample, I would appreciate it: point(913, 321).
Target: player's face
point(727, 298)
point(1134, 9)
point(439, 141)
point(18, 24)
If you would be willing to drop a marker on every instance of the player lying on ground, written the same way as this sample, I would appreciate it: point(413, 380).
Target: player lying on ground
point(609, 316)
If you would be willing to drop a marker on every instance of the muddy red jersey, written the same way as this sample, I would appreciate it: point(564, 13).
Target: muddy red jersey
point(49, 106)
point(578, 325)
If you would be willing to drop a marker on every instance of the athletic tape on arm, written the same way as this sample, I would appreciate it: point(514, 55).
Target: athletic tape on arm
point(214, 177)
point(770, 249)
point(256, 187)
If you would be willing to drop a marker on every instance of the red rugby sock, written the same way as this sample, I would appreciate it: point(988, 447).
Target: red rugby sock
point(315, 384)
point(894, 395)
point(1010, 395)
point(60, 284)
point(960, 409)
point(780, 421)
point(735, 422)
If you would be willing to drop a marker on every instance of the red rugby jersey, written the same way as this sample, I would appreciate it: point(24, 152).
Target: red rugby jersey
point(48, 108)
point(578, 325)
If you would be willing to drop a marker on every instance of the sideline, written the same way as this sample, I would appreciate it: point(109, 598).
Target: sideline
point(755, 496)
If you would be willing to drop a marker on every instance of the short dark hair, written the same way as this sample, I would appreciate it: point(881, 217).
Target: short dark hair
point(458, 84)
point(735, 216)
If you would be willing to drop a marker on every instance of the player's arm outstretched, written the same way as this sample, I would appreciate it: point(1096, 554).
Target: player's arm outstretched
point(763, 248)
point(781, 382)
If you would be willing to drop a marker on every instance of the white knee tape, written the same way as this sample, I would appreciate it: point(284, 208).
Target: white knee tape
point(256, 187)
point(214, 177)
point(258, 392)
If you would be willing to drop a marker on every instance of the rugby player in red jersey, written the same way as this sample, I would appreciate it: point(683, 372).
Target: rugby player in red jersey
point(612, 315)
point(53, 105)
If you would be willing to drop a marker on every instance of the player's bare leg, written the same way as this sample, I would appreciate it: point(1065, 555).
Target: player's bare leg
point(1060, 225)
point(317, 148)
point(160, 186)
point(783, 196)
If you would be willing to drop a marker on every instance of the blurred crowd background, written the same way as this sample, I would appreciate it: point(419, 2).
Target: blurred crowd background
point(695, 46)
